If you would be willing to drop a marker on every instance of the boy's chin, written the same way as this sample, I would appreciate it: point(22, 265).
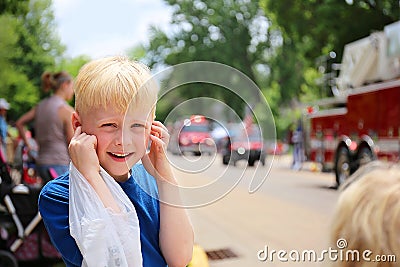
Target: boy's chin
point(121, 177)
point(121, 171)
point(119, 174)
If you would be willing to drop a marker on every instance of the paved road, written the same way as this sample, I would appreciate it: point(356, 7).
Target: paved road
point(291, 211)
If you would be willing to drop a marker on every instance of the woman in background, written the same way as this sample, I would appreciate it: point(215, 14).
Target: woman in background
point(52, 124)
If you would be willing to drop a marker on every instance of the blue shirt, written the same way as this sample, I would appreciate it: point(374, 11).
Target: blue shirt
point(141, 188)
point(3, 129)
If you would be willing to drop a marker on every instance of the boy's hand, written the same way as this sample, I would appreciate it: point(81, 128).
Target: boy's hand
point(156, 162)
point(82, 150)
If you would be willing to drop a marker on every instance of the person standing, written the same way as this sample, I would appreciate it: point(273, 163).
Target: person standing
point(4, 106)
point(52, 124)
point(298, 147)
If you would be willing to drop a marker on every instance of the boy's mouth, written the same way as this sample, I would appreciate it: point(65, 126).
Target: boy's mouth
point(119, 155)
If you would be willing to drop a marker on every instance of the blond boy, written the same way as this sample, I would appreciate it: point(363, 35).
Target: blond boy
point(367, 218)
point(113, 123)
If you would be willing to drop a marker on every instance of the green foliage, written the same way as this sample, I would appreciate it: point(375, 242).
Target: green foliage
point(225, 31)
point(15, 7)
point(28, 47)
point(309, 30)
point(137, 53)
point(15, 85)
point(72, 65)
point(309, 91)
point(39, 43)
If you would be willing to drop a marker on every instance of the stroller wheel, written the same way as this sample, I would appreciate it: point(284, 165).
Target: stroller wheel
point(7, 259)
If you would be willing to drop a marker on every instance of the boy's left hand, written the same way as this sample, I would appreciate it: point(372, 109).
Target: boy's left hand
point(156, 162)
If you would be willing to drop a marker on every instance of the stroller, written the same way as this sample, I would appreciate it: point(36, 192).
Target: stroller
point(25, 162)
point(23, 238)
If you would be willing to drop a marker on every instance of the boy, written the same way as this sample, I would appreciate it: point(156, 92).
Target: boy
point(367, 217)
point(115, 107)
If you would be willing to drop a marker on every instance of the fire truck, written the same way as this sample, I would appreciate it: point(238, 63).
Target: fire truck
point(362, 121)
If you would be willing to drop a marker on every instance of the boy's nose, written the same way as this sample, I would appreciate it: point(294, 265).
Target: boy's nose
point(123, 138)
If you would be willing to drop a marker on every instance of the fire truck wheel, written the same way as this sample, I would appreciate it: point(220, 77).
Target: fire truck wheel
point(342, 165)
point(364, 156)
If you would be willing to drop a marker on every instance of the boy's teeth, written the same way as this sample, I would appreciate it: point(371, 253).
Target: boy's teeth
point(120, 155)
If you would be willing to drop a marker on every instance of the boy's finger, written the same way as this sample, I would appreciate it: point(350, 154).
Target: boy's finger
point(159, 124)
point(77, 132)
point(157, 140)
point(162, 130)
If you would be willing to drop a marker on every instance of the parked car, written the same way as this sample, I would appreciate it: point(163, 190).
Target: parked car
point(244, 144)
point(192, 135)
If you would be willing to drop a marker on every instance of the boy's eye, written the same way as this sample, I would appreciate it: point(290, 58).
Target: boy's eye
point(135, 125)
point(109, 125)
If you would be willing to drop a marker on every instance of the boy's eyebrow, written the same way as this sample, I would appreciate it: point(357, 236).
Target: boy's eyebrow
point(107, 120)
point(138, 121)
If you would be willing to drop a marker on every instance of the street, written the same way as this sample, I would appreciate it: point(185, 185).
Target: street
point(291, 211)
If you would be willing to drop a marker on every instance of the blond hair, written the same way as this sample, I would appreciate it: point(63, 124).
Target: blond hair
point(115, 81)
point(367, 214)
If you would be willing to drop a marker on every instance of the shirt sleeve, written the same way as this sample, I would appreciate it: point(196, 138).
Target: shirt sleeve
point(54, 209)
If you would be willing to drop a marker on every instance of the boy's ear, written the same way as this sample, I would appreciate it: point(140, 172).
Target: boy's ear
point(76, 120)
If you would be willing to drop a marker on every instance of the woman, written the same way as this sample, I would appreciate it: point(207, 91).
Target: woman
point(52, 124)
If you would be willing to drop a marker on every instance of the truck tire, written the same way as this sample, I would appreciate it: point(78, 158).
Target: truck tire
point(364, 156)
point(342, 165)
point(251, 161)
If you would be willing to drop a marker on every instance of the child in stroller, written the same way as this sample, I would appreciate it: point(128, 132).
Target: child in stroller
point(23, 238)
point(24, 161)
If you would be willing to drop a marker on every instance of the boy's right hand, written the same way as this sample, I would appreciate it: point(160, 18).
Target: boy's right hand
point(82, 150)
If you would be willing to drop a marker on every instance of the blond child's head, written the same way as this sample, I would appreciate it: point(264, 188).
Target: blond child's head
point(115, 81)
point(115, 101)
point(367, 214)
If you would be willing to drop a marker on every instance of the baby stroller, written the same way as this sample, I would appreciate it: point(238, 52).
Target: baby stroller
point(23, 238)
point(25, 162)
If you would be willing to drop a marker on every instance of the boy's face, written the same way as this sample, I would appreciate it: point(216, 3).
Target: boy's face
point(121, 139)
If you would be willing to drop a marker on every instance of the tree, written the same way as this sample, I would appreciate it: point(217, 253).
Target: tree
point(225, 31)
point(29, 46)
point(310, 29)
point(40, 45)
point(17, 8)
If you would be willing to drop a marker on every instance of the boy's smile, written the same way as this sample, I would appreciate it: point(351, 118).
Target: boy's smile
point(120, 155)
point(121, 139)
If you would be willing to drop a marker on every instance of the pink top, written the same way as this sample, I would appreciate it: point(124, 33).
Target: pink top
point(50, 132)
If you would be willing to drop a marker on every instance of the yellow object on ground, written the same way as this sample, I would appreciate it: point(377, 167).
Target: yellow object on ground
point(199, 258)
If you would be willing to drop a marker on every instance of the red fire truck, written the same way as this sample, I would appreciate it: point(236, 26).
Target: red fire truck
point(362, 122)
